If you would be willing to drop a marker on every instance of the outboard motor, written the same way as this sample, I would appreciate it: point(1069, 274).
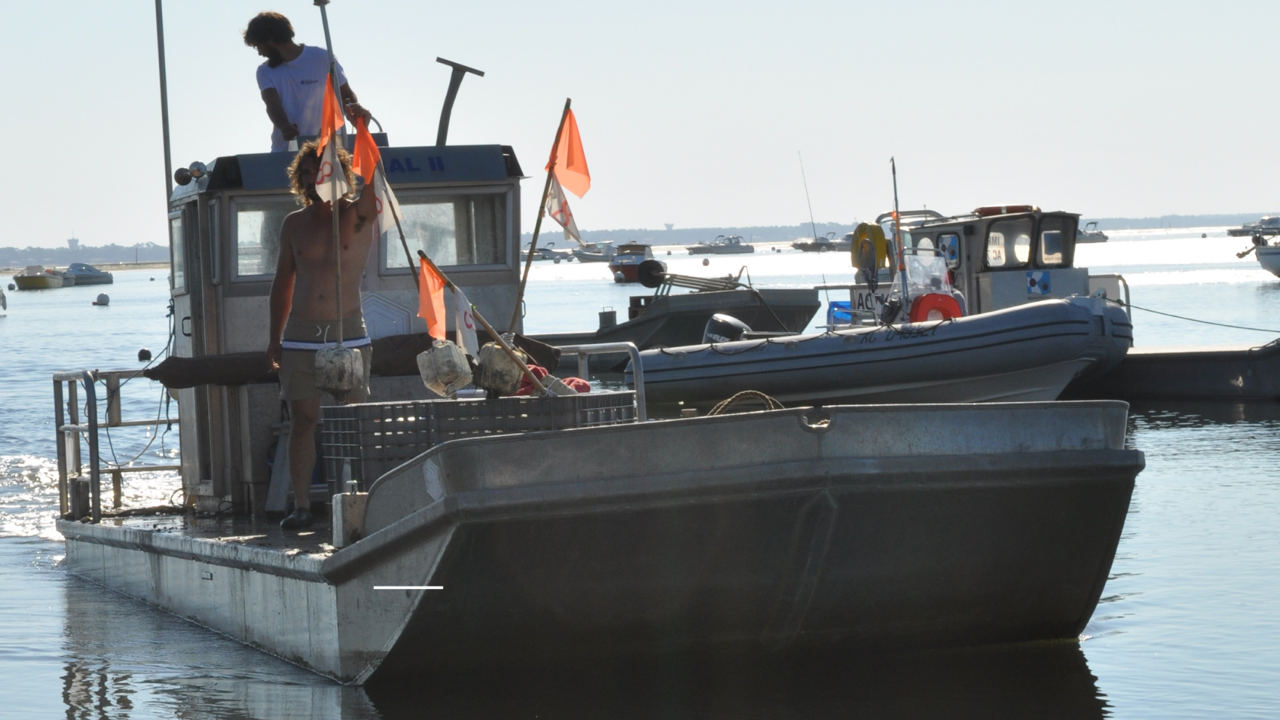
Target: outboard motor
point(724, 328)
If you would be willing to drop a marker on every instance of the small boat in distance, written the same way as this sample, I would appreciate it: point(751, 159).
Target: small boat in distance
point(595, 252)
point(84, 274)
point(721, 245)
point(1090, 233)
point(627, 261)
point(1267, 228)
point(825, 243)
point(545, 252)
point(36, 277)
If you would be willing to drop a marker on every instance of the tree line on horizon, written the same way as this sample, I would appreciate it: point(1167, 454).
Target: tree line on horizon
point(11, 257)
point(787, 233)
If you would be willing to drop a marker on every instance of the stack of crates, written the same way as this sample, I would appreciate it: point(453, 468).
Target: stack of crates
point(374, 438)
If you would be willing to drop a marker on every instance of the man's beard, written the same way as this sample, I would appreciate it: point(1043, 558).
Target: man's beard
point(274, 58)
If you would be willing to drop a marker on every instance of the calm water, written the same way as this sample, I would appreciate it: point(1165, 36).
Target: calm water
point(1189, 625)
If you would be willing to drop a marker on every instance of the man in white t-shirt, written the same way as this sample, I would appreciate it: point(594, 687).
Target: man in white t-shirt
point(292, 80)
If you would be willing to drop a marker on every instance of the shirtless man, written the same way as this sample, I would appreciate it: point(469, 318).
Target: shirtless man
point(302, 294)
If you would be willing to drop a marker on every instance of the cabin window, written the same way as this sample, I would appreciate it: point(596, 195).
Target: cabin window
point(1056, 242)
point(257, 235)
point(1009, 243)
point(924, 242)
point(177, 249)
point(453, 230)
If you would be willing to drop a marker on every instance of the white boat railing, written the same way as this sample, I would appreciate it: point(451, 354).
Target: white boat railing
point(80, 495)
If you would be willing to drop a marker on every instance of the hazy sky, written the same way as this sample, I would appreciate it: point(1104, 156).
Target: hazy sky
point(690, 112)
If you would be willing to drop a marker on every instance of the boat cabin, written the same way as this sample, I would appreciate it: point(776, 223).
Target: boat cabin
point(1000, 257)
point(461, 206)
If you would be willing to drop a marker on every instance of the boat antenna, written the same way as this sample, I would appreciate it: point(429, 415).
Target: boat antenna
point(897, 233)
point(806, 197)
point(164, 104)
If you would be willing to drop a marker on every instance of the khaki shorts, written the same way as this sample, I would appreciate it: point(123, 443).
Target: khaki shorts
point(298, 367)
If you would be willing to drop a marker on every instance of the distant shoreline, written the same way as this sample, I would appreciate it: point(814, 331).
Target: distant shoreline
point(108, 267)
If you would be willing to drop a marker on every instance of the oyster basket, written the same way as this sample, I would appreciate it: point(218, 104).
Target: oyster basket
point(376, 437)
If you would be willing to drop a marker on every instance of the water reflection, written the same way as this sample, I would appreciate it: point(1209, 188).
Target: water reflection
point(1257, 417)
point(1040, 680)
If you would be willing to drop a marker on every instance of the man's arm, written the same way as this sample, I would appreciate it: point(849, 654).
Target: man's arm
point(281, 292)
point(279, 118)
point(354, 108)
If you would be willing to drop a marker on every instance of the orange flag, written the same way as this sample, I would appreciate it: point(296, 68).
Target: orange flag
point(365, 158)
point(570, 162)
point(331, 119)
point(431, 300)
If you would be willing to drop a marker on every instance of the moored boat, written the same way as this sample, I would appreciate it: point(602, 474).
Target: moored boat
point(1266, 247)
point(37, 277)
point(84, 274)
point(827, 243)
point(721, 245)
point(595, 252)
point(626, 262)
point(1030, 352)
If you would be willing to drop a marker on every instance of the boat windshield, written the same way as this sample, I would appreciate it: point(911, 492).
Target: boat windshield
point(926, 271)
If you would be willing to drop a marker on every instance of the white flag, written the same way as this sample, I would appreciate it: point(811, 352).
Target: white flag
point(386, 203)
point(331, 175)
point(558, 209)
point(465, 322)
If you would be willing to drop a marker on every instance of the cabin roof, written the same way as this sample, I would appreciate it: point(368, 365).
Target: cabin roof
point(435, 164)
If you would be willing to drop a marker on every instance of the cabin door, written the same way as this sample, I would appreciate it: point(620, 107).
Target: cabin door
point(184, 280)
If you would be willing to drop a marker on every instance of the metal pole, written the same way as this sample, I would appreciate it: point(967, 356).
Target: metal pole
point(897, 239)
point(164, 105)
point(91, 409)
point(537, 226)
point(455, 81)
point(809, 202)
point(333, 187)
point(60, 419)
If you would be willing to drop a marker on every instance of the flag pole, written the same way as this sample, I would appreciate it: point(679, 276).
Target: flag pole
point(524, 367)
point(537, 226)
point(333, 186)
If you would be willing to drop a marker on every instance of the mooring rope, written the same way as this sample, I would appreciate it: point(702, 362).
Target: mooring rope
point(1195, 320)
point(746, 396)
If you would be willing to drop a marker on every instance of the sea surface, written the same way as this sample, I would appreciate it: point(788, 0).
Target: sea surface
point(1188, 627)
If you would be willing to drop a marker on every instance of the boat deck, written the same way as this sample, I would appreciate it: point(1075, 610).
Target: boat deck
point(240, 530)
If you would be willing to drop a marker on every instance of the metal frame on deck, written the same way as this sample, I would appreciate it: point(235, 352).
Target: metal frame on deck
point(78, 496)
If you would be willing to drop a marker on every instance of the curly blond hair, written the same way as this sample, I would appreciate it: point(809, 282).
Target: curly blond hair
point(298, 187)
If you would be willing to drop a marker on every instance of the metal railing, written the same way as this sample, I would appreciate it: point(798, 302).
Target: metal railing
point(584, 372)
point(80, 496)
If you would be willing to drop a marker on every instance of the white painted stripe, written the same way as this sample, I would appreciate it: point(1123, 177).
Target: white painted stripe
point(408, 587)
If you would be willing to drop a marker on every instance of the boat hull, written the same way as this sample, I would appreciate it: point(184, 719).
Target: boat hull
point(1026, 353)
point(1269, 258)
point(38, 282)
point(721, 250)
point(910, 525)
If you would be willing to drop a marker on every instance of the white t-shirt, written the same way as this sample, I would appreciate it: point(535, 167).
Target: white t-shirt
point(300, 83)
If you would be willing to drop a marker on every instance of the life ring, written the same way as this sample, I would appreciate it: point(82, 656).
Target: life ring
point(934, 306)
point(989, 210)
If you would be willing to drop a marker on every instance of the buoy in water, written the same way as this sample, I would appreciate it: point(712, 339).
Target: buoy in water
point(102, 299)
point(619, 277)
point(12, 286)
point(1204, 235)
point(153, 279)
point(144, 355)
point(705, 262)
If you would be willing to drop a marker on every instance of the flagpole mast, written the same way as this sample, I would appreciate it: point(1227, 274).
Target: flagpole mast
point(333, 186)
point(897, 236)
point(537, 226)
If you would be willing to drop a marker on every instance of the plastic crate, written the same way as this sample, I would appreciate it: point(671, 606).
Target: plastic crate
point(377, 437)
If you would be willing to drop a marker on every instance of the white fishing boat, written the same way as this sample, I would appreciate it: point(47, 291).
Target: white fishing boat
point(595, 252)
